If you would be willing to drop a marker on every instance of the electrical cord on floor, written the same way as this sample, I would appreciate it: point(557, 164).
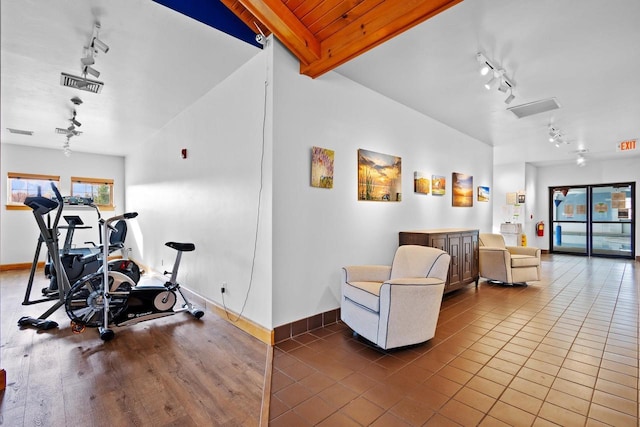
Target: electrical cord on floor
point(255, 242)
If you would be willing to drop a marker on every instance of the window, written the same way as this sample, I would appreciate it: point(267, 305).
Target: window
point(99, 189)
point(23, 185)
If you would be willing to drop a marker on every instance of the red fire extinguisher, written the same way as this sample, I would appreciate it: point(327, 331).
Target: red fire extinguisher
point(540, 228)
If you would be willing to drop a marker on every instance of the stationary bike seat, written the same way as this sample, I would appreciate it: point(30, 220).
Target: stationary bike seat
point(184, 247)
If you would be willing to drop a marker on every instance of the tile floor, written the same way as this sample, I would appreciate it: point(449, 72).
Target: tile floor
point(562, 351)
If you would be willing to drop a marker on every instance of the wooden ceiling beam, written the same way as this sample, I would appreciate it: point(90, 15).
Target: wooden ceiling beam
point(287, 27)
point(380, 24)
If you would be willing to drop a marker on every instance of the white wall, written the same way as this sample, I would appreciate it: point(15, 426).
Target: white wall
point(19, 231)
point(211, 198)
point(317, 231)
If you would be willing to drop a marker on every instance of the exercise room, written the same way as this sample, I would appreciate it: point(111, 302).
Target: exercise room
point(294, 213)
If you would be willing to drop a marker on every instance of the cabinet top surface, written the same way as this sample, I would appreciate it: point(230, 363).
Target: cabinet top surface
point(441, 230)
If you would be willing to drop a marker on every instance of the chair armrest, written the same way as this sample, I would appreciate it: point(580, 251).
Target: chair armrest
point(367, 273)
point(423, 281)
point(524, 250)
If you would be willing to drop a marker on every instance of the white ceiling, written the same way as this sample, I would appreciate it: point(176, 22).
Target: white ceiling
point(582, 52)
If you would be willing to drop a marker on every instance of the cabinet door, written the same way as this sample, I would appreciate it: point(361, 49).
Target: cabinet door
point(468, 257)
point(439, 241)
point(455, 250)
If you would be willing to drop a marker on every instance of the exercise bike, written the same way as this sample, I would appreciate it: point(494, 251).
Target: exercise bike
point(122, 302)
point(42, 206)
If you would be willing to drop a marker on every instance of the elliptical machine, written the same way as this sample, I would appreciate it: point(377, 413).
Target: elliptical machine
point(42, 206)
point(90, 303)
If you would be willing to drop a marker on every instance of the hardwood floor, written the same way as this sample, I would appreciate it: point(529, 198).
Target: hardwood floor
point(172, 371)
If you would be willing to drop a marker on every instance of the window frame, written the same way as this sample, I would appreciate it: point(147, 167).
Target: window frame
point(95, 181)
point(10, 205)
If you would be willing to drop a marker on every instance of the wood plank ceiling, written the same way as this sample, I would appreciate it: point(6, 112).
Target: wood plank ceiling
point(324, 34)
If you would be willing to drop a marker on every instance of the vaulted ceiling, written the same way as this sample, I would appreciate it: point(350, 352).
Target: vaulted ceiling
point(419, 53)
point(324, 34)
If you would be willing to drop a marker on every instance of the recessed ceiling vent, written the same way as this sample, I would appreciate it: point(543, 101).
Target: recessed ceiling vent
point(80, 83)
point(536, 107)
point(20, 131)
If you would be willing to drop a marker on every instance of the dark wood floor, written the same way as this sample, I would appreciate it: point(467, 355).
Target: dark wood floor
point(175, 371)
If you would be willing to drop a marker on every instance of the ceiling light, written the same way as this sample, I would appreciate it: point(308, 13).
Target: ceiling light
point(90, 70)
point(76, 100)
point(485, 67)
point(88, 60)
point(488, 85)
point(97, 43)
point(499, 76)
point(66, 149)
point(74, 121)
point(509, 98)
point(581, 161)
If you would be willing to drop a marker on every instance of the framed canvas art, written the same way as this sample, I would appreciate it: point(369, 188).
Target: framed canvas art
point(379, 177)
point(462, 189)
point(421, 183)
point(438, 185)
point(483, 194)
point(322, 167)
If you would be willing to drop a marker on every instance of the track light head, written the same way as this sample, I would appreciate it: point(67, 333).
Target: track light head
point(76, 100)
point(88, 60)
point(488, 85)
point(509, 98)
point(96, 43)
point(88, 69)
point(74, 121)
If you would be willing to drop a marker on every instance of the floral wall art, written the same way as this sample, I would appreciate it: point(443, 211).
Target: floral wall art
point(322, 167)
point(379, 177)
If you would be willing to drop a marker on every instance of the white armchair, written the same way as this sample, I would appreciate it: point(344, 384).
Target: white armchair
point(397, 305)
point(507, 264)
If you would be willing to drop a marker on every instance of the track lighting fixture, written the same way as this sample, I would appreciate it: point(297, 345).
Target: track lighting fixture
point(509, 98)
point(74, 121)
point(97, 43)
point(90, 70)
point(556, 136)
point(498, 78)
point(66, 149)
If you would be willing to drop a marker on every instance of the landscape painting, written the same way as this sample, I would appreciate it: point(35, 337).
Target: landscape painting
point(421, 183)
point(379, 177)
point(483, 194)
point(438, 185)
point(321, 167)
point(462, 186)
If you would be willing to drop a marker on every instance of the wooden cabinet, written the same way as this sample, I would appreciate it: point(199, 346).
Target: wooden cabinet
point(460, 243)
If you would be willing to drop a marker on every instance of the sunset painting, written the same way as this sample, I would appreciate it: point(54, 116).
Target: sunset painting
point(379, 177)
point(321, 167)
point(421, 183)
point(462, 189)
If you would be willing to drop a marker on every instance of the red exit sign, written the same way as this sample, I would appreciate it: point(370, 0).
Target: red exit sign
point(627, 145)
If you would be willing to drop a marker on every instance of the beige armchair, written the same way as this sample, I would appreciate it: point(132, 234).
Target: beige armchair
point(507, 264)
point(397, 305)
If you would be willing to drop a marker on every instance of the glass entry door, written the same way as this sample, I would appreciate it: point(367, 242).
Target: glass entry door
point(570, 220)
point(593, 220)
point(611, 220)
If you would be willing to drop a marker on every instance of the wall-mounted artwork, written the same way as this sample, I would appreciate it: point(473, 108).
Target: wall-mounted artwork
point(322, 167)
point(462, 186)
point(438, 185)
point(421, 183)
point(483, 194)
point(379, 177)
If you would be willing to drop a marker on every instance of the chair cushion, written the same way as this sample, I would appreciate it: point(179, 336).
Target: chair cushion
point(524, 261)
point(366, 294)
